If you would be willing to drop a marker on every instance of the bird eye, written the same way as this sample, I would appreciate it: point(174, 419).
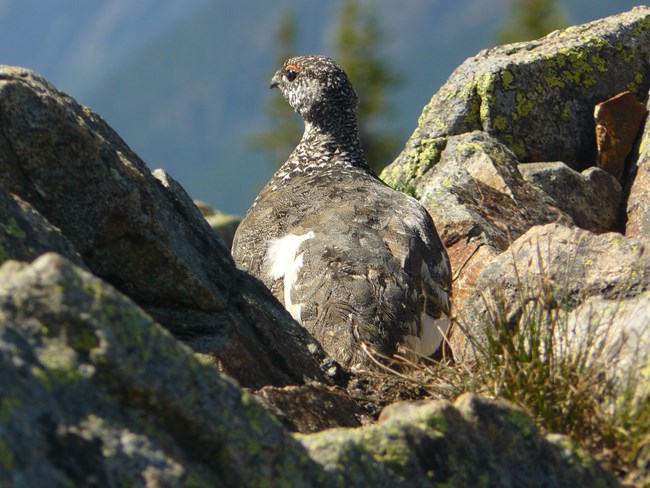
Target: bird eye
point(291, 72)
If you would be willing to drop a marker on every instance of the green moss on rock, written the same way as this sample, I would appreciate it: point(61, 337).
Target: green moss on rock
point(413, 163)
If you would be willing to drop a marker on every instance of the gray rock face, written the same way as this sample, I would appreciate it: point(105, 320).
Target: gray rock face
point(616, 331)
point(94, 393)
point(573, 263)
point(592, 198)
point(480, 202)
point(473, 442)
point(142, 233)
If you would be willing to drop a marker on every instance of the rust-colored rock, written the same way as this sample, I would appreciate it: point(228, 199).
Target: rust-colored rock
point(573, 263)
point(617, 123)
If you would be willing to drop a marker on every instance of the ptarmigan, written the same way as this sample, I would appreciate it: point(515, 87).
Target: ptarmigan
point(360, 265)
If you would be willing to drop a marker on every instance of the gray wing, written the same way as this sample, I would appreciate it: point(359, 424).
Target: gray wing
point(416, 244)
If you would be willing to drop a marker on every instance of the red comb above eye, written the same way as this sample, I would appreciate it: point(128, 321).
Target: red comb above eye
point(292, 66)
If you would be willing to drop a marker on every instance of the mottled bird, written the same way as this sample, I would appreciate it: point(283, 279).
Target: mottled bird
point(360, 265)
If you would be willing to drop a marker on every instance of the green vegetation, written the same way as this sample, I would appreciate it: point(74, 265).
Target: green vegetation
point(531, 19)
point(567, 386)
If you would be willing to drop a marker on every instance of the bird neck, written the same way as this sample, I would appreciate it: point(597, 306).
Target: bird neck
point(336, 140)
point(325, 148)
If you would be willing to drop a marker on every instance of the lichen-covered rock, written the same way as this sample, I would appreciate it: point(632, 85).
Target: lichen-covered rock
point(481, 203)
point(94, 393)
point(592, 198)
point(142, 233)
point(536, 97)
point(473, 442)
point(570, 263)
point(507, 107)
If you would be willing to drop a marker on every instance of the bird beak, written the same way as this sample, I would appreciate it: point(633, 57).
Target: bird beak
point(277, 78)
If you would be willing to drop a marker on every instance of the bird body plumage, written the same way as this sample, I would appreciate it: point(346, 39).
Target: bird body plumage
point(354, 261)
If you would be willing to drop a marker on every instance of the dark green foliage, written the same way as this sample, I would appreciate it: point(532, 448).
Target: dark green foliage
point(531, 19)
point(358, 42)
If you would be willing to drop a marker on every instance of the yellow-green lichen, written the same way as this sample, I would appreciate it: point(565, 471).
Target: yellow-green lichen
point(507, 79)
point(575, 66)
point(524, 105)
point(60, 361)
point(566, 114)
point(437, 421)
point(418, 159)
point(406, 188)
point(634, 86)
point(12, 228)
point(523, 421)
point(517, 146)
point(253, 413)
point(623, 53)
point(468, 147)
point(485, 91)
point(500, 122)
point(641, 26)
point(390, 450)
point(85, 340)
point(472, 117)
point(41, 375)
point(4, 255)
point(579, 457)
point(644, 146)
point(599, 63)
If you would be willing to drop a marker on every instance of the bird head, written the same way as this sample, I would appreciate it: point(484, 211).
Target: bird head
point(317, 88)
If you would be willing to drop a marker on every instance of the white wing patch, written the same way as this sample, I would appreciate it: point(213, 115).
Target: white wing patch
point(285, 262)
point(432, 332)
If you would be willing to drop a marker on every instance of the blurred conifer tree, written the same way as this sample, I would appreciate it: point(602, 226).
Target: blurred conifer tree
point(284, 129)
point(359, 40)
point(531, 19)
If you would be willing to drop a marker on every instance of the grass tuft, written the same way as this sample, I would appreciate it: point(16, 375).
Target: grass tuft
point(537, 358)
point(563, 378)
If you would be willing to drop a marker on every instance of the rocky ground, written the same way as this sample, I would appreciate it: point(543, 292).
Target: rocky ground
point(135, 353)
